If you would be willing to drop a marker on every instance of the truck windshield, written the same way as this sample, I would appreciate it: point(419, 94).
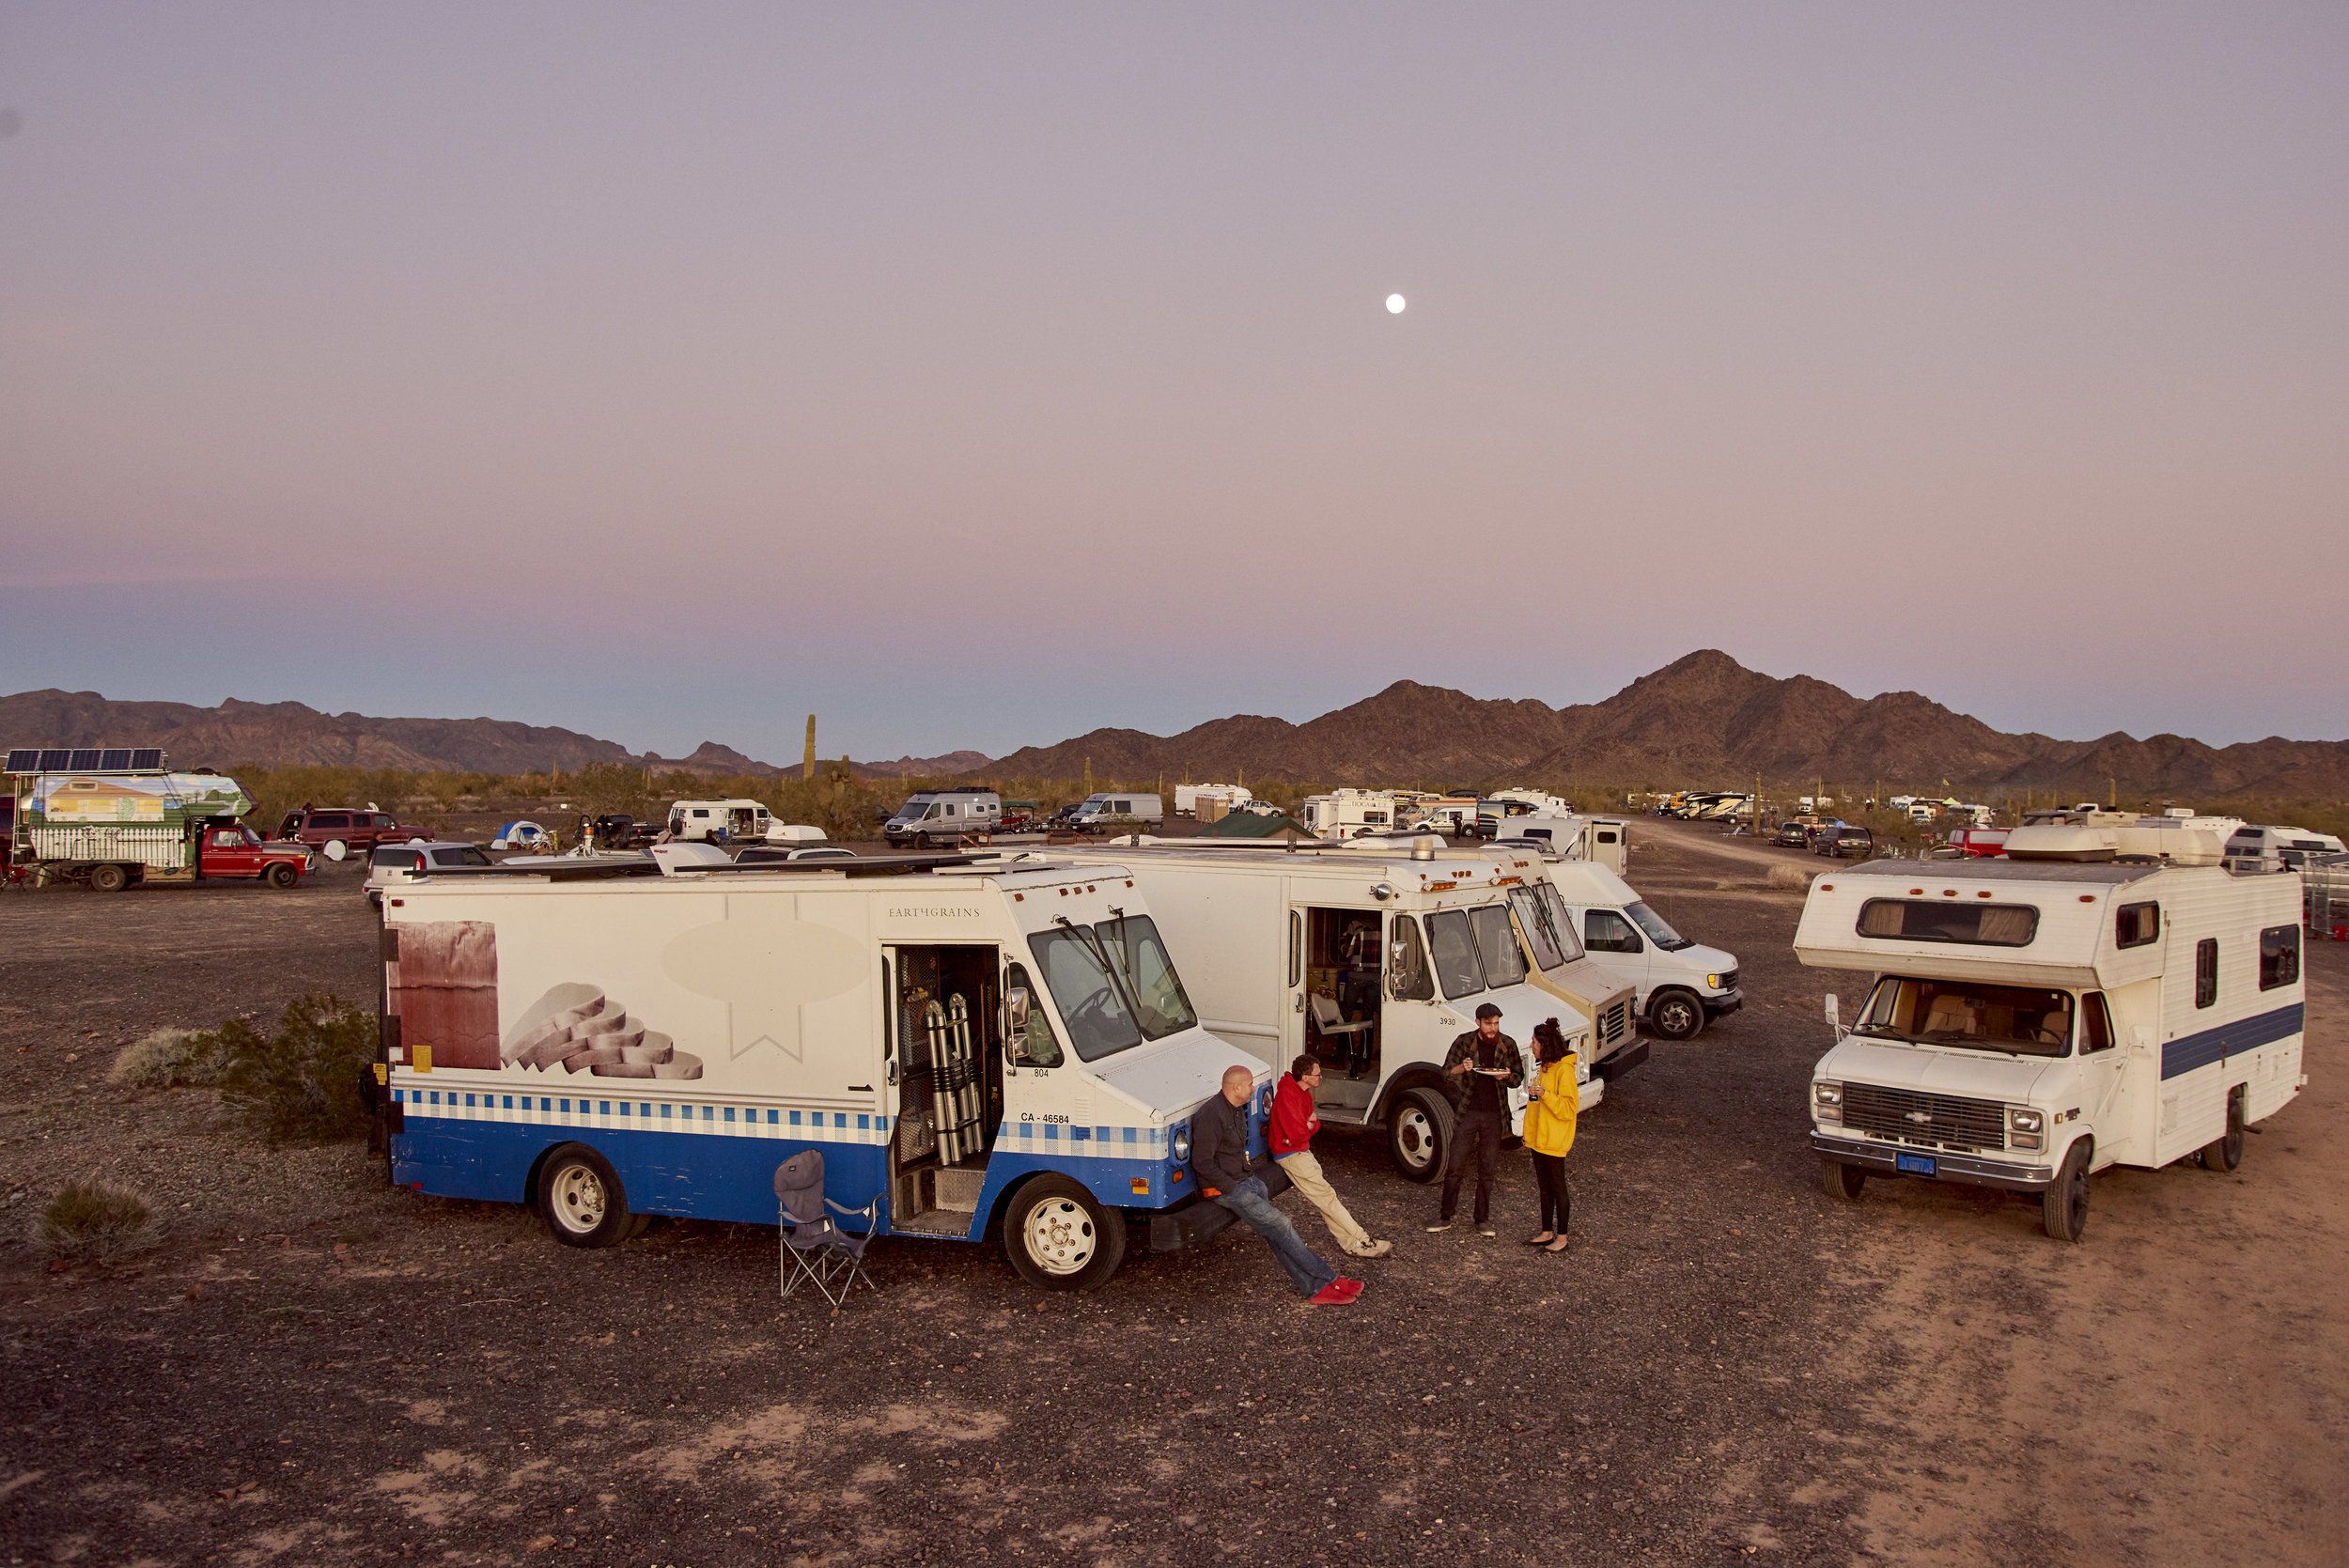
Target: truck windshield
point(1136, 997)
point(1497, 945)
point(1454, 947)
point(1543, 914)
point(1661, 934)
point(2021, 1020)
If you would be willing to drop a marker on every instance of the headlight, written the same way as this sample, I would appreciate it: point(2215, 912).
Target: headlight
point(2025, 1128)
point(1180, 1145)
point(1711, 981)
point(1827, 1101)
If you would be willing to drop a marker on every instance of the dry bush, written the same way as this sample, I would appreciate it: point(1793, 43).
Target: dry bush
point(169, 1059)
point(1789, 877)
point(302, 1085)
point(93, 1222)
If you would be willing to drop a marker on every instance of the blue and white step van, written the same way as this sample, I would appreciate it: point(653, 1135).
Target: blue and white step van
point(974, 1050)
point(2035, 1020)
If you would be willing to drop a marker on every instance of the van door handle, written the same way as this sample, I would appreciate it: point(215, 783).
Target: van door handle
point(860, 1087)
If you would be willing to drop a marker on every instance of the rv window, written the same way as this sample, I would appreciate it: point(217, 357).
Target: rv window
point(2019, 1019)
point(1607, 838)
point(1041, 1047)
point(2135, 924)
point(1605, 931)
point(1454, 949)
point(2206, 971)
point(1497, 945)
point(1918, 920)
point(2095, 1024)
point(1406, 962)
point(2279, 956)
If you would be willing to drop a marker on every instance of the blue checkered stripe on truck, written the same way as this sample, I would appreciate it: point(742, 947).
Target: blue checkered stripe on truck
point(1111, 1142)
point(642, 1115)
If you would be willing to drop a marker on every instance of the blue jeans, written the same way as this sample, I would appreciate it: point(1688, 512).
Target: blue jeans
point(1252, 1204)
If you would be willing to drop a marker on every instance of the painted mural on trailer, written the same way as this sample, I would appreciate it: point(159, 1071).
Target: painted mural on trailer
point(158, 799)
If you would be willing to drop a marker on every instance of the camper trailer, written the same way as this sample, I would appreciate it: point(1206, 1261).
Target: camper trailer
point(1186, 797)
point(2270, 849)
point(1598, 839)
point(718, 822)
point(1347, 812)
point(973, 1050)
point(2029, 1021)
point(941, 816)
point(1375, 961)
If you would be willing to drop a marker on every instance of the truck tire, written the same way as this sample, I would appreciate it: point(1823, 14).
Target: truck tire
point(334, 850)
point(2225, 1153)
point(1059, 1236)
point(580, 1195)
point(1419, 1133)
point(281, 875)
point(2063, 1208)
point(1843, 1181)
point(1675, 1014)
point(108, 878)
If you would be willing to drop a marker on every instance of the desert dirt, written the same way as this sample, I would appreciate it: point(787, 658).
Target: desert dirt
point(312, 1367)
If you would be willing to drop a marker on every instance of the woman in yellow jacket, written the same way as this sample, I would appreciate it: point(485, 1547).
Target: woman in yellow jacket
point(1549, 1131)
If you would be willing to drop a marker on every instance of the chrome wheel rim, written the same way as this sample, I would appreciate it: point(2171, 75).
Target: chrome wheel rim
point(1059, 1235)
point(579, 1198)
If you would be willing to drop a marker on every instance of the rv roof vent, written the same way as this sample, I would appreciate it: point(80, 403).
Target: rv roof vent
point(1423, 852)
point(2052, 842)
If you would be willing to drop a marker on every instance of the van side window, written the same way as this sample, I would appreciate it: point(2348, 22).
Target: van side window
point(2279, 956)
point(2096, 1023)
point(2135, 924)
point(1605, 931)
point(2206, 971)
point(1406, 962)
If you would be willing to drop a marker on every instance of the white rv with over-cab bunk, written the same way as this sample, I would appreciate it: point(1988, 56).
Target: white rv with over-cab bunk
point(2029, 1021)
point(1373, 964)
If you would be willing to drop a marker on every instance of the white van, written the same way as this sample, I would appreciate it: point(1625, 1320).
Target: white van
point(939, 817)
point(1347, 812)
point(973, 1050)
point(2032, 1021)
point(717, 822)
point(1186, 797)
point(1376, 962)
point(1683, 986)
point(1117, 806)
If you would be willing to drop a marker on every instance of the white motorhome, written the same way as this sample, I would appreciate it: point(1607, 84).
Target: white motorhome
point(1683, 985)
point(973, 1049)
point(717, 822)
point(1186, 797)
point(1376, 963)
point(2274, 848)
point(1117, 806)
point(941, 816)
point(1347, 812)
point(2030, 1021)
point(1598, 839)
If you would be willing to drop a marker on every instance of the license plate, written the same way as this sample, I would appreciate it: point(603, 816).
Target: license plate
point(1916, 1165)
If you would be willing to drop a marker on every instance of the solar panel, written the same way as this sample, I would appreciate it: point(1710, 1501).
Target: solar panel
point(113, 759)
point(147, 758)
point(24, 759)
point(56, 759)
point(84, 758)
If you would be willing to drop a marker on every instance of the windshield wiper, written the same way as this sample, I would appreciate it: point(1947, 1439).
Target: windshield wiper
point(1086, 935)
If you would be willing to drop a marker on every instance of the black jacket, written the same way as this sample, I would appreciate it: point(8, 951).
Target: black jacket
point(1218, 1143)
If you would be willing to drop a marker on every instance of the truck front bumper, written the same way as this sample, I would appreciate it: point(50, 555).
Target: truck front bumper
point(1203, 1219)
point(1722, 1006)
point(1609, 1069)
point(1883, 1159)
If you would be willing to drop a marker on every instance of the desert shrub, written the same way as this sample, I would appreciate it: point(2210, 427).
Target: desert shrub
point(93, 1222)
point(1789, 877)
point(169, 1059)
point(301, 1086)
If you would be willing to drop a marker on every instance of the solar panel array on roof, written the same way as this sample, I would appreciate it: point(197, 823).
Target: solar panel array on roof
point(85, 759)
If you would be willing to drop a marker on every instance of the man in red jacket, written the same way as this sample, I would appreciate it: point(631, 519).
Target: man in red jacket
point(1294, 1124)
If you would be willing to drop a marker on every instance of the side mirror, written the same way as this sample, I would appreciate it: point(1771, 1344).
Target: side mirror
point(1016, 1013)
point(1834, 1012)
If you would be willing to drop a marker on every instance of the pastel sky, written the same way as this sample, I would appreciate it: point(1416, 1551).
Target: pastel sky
point(975, 375)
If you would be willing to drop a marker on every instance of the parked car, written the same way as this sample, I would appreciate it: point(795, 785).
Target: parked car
point(1840, 840)
point(341, 832)
point(1792, 835)
point(391, 866)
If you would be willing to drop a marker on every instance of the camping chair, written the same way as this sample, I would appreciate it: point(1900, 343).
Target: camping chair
point(816, 1251)
point(1330, 1024)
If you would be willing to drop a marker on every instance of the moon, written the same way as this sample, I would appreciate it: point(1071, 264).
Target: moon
point(1394, 304)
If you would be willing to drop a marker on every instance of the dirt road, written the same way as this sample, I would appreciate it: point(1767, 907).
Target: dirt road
point(315, 1368)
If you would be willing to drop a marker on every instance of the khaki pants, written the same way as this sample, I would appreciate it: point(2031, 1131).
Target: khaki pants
point(1305, 1175)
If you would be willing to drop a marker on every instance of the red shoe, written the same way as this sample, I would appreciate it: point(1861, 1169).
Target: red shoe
point(1353, 1288)
point(1334, 1294)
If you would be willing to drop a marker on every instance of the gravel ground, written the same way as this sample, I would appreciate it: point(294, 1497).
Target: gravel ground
point(313, 1367)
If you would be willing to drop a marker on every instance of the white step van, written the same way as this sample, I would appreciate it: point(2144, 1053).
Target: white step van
point(1375, 963)
point(1683, 985)
point(974, 1050)
point(2031, 1021)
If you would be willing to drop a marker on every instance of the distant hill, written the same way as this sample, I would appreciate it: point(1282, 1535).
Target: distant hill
point(1702, 720)
point(289, 735)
